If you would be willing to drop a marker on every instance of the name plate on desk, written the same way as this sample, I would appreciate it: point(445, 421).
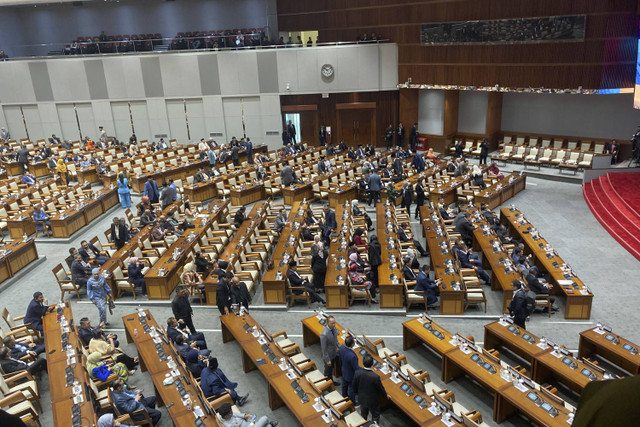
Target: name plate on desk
point(465, 350)
point(542, 345)
point(395, 380)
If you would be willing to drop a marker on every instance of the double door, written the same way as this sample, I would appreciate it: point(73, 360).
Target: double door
point(356, 126)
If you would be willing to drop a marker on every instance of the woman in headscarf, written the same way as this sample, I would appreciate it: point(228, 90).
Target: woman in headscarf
point(359, 239)
point(494, 171)
point(354, 259)
point(356, 211)
point(108, 420)
point(93, 361)
point(431, 156)
point(100, 345)
point(190, 277)
point(359, 280)
point(134, 269)
point(319, 257)
point(62, 171)
point(476, 175)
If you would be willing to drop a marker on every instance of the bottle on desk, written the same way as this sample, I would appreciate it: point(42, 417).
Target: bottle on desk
point(135, 333)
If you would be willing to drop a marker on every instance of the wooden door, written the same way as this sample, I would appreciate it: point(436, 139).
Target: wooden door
point(356, 126)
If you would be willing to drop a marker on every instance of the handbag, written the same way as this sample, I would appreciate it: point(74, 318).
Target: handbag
point(112, 305)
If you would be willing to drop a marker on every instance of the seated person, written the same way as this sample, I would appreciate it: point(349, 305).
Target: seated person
point(194, 361)
point(147, 218)
point(19, 350)
point(89, 252)
point(358, 279)
point(355, 259)
point(40, 215)
point(183, 347)
point(465, 228)
point(413, 258)
point(356, 211)
point(190, 277)
point(94, 366)
point(10, 364)
point(407, 271)
point(109, 420)
point(28, 179)
point(168, 226)
point(158, 234)
point(214, 382)
point(359, 239)
point(297, 281)
point(134, 270)
point(281, 220)
point(203, 264)
point(37, 308)
point(469, 260)
point(174, 329)
point(405, 235)
point(539, 285)
point(430, 287)
point(86, 332)
point(107, 347)
point(228, 418)
point(128, 401)
point(240, 216)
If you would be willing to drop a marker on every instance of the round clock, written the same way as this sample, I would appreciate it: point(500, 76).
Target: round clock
point(327, 71)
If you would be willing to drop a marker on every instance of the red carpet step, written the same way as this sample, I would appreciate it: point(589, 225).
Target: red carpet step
point(606, 197)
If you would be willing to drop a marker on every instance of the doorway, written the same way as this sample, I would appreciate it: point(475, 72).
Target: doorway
point(294, 118)
point(356, 126)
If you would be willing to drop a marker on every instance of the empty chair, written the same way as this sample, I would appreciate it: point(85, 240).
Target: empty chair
point(546, 143)
point(558, 143)
point(546, 156)
point(559, 157)
point(533, 141)
point(519, 140)
point(585, 146)
point(520, 152)
point(586, 161)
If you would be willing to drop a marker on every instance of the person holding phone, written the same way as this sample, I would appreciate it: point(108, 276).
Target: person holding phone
point(231, 419)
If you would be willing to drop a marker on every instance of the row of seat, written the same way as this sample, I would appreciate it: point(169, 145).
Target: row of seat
point(545, 156)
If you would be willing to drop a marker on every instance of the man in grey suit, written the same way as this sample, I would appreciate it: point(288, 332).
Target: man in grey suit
point(329, 344)
point(286, 174)
point(375, 185)
point(281, 220)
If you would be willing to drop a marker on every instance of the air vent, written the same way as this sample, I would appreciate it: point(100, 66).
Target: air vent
point(273, 133)
point(215, 134)
point(162, 135)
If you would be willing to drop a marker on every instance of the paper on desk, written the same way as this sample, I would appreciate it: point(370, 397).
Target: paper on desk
point(465, 350)
point(396, 380)
point(565, 282)
point(599, 331)
point(327, 419)
point(542, 345)
point(262, 341)
point(448, 423)
point(434, 410)
point(291, 376)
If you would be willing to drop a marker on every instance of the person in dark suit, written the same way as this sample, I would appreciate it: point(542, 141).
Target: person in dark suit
point(80, 272)
point(484, 151)
point(37, 308)
point(23, 158)
point(87, 332)
point(329, 225)
point(240, 217)
point(239, 293)
point(613, 149)
point(20, 350)
point(407, 271)
point(539, 285)
point(214, 382)
point(404, 235)
point(322, 135)
point(248, 148)
point(118, 233)
point(420, 197)
point(465, 228)
point(89, 252)
point(407, 197)
point(182, 310)
point(414, 137)
point(368, 386)
point(151, 190)
point(235, 155)
point(291, 130)
point(400, 131)
point(418, 163)
point(10, 365)
point(428, 286)
point(375, 257)
point(223, 293)
point(375, 186)
point(128, 401)
point(296, 280)
point(286, 173)
point(349, 363)
point(518, 305)
point(468, 260)
point(398, 169)
point(175, 329)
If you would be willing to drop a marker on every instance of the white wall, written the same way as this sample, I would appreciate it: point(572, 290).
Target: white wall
point(431, 111)
point(216, 87)
point(472, 112)
point(596, 116)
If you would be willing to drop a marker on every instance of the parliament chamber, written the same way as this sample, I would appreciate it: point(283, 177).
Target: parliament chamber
point(345, 214)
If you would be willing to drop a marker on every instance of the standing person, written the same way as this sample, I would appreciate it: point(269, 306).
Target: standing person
point(418, 163)
point(123, 191)
point(119, 233)
point(407, 197)
point(484, 151)
point(166, 196)
point(349, 363)
point(368, 386)
point(318, 263)
point(329, 344)
point(249, 149)
point(235, 155)
point(291, 130)
point(388, 137)
point(223, 293)
point(37, 308)
point(375, 185)
point(414, 137)
point(400, 131)
point(239, 293)
point(61, 168)
point(23, 158)
point(518, 305)
point(182, 310)
point(286, 173)
point(375, 257)
point(151, 190)
point(420, 197)
point(614, 149)
point(322, 135)
point(99, 293)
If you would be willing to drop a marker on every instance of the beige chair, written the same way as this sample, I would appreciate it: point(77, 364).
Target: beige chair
point(358, 292)
point(18, 404)
point(21, 382)
point(586, 161)
point(302, 295)
point(64, 282)
point(559, 157)
point(13, 325)
point(546, 156)
point(121, 281)
point(414, 297)
point(282, 341)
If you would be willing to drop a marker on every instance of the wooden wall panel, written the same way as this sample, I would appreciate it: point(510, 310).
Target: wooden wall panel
point(408, 107)
point(386, 103)
point(604, 59)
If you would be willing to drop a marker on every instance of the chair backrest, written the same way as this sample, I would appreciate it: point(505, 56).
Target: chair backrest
point(557, 143)
point(507, 139)
point(533, 152)
point(8, 318)
point(547, 152)
point(519, 140)
point(59, 272)
point(508, 149)
point(598, 148)
point(574, 155)
point(533, 141)
point(572, 145)
point(560, 154)
point(588, 157)
point(546, 143)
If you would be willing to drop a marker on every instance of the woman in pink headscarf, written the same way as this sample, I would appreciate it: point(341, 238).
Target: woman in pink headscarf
point(359, 280)
point(319, 257)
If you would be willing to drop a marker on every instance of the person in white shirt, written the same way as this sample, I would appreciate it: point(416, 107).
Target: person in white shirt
point(231, 419)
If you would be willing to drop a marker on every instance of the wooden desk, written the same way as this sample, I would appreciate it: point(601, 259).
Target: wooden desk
point(497, 335)
point(391, 294)
point(578, 296)
point(451, 300)
point(339, 195)
point(23, 252)
point(547, 366)
point(158, 369)
point(200, 191)
point(511, 400)
point(414, 333)
point(296, 193)
point(21, 224)
point(592, 341)
point(89, 174)
point(279, 387)
point(498, 193)
point(337, 295)
point(248, 193)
